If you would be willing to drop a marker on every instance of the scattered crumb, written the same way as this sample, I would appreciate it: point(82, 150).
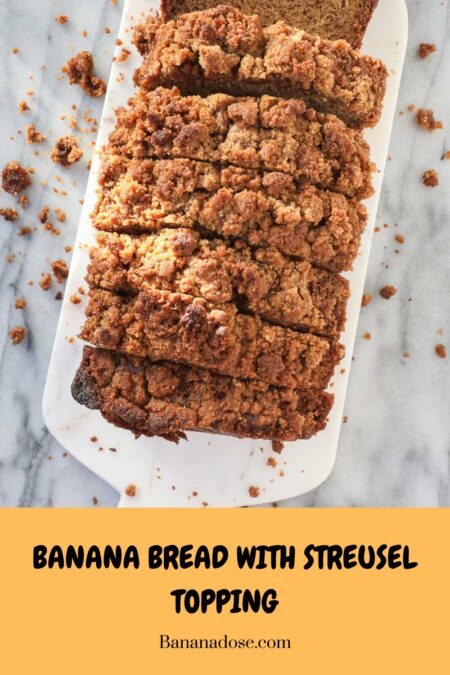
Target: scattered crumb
point(345, 419)
point(107, 30)
point(430, 178)
point(15, 50)
point(75, 299)
point(15, 178)
point(65, 454)
point(366, 299)
point(65, 151)
point(426, 120)
point(406, 355)
point(46, 282)
point(60, 215)
point(9, 214)
point(60, 270)
point(59, 296)
point(61, 19)
point(94, 501)
point(367, 336)
point(425, 49)
point(23, 201)
point(388, 292)
point(130, 490)
point(446, 155)
point(93, 439)
point(441, 351)
point(277, 446)
point(400, 238)
point(33, 136)
point(24, 231)
point(43, 214)
point(80, 71)
point(17, 334)
point(20, 303)
point(123, 55)
point(271, 461)
point(23, 107)
point(254, 491)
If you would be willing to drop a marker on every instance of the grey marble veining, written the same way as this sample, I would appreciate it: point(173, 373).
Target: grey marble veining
point(394, 448)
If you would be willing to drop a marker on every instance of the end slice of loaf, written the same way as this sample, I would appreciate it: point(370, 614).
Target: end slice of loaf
point(222, 49)
point(166, 399)
point(332, 19)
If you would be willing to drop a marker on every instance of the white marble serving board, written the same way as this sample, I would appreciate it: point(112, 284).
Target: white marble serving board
point(207, 469)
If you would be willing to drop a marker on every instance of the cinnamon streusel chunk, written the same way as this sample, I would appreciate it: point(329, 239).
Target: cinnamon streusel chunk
point(260, 281)
point(221, 49)
point(173, 326)
point(267, 133)
point(263, 208)
point(166, 399)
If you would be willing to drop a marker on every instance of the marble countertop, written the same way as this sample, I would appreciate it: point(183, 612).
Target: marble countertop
point(394, 447)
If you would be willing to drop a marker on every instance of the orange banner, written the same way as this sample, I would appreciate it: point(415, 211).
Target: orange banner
point(115, 591)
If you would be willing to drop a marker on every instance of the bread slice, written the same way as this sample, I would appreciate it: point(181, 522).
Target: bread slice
point(260, 281)
point(223, 50)
point(166, 399)
point(164, 326)
point(332, 19)
point(268, 133)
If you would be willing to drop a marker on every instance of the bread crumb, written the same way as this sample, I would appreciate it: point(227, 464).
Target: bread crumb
point(20, 303)
point(58, 296)
point(61, 19)
point(272, 462)
point(46, 282)
point(60, 215)
point(24, 231)
point(254, 491)
point(425, 49)
point(430, 178)
point(367, 336)
point(130, 490)
point(17, 334)
point(388, 292)
point(43, 214)
point(9, 214)
point(75, 299)
point(441, 351)
point(33, 136)
point(15, 178)
point(23, 107)
point(426, 120)
point(60, 270)
point(446, 155)
point(79, 70)
point(65, 151)
point(15, 50)
point(123, 55)
point(400, 238)
point(366, 299)
point(94, 501)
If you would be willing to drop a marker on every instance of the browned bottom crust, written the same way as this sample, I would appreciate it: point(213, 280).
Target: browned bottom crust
point(222, 49)
point(176, 327)
point(165, 399)
point(327, 18)
point(266, 133)
point(260, 281)
point(263, 209)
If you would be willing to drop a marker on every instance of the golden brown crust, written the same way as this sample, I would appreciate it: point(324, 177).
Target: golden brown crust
point(166, 399)
point(261, 281)
point(222, 49)
point(330, 19)
point(173, 326)
point(262, 208)
point(269, 133)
